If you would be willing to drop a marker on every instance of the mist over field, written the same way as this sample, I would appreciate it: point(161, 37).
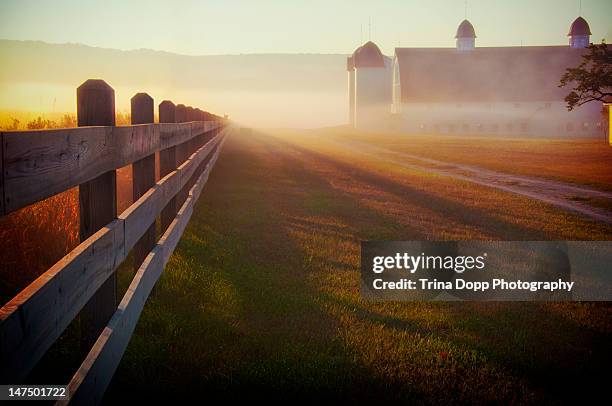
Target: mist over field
point(269, 90)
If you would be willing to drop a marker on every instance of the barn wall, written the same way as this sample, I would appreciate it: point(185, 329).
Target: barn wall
point(528, 119)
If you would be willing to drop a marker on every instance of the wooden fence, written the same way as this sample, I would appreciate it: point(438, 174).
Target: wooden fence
point(39, 164)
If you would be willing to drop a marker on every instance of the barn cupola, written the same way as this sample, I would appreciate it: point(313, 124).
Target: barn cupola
point(466, 36)
point(368, 56)
point(579, 34)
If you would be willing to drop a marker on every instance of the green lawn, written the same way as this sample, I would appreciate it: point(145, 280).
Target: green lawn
point(261, 298)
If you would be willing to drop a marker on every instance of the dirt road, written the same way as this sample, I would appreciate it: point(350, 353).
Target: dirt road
point(567, 196)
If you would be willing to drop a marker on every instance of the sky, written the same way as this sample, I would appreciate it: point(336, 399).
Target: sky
point(41, 79)
point(284, 26)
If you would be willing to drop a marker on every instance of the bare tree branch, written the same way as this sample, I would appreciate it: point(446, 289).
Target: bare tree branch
point(592, 79)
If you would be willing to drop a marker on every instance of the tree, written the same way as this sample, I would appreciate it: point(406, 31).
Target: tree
point(592, 79)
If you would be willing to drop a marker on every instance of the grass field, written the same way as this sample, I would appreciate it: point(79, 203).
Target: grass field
point(261, 298)
point(580, 161)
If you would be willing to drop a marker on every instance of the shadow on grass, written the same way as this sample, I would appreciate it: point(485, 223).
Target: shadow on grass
point(557, 357)
point(244, 310)
point(453, 210)
point(234, 316)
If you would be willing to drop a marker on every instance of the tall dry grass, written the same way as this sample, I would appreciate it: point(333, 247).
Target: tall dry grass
point(32, 239)
point(25, 120)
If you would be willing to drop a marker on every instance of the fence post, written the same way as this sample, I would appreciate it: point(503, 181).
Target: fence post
point(182, 152)
point(167, 162)
point(167, 112)
point(216, 121)
point(200, 138)
point(189, 144)
point(218, 124)
point(181, 113)
point(97, 206)
point(143, 173)
point(208, 135)
point(190, 113)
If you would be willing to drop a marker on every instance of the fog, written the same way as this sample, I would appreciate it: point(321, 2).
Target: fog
point(534, 118)
point(304, 91)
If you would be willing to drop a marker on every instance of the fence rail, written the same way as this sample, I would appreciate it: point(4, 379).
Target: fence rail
point(39, 164)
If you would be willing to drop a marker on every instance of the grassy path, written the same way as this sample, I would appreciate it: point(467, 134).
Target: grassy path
point(261, 298)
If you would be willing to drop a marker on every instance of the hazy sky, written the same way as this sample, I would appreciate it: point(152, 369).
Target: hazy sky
point(285, 26)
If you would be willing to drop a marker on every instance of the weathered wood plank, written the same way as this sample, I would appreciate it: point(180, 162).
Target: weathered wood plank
point(97, 203)
point(95, 373)
point(143, 176)
point(143, 179)
point(140, 214)
point(210, 125)
point(90, 381)
point(39, 164)
point(32, 321)
point(203, 178)
point(143, 172)
point(170, 239)
point(134, 142)
point(167, 112)
point(167, 161)
point(182, 155)
point(144, 211)
point(167, 164)
point(188, 168)
point(197, 128)
point(199, 186)
point(42, 163)
point(97, 206)
point(172, 134)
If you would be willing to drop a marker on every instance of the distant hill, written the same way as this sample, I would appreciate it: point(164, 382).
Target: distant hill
point(294, 78)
